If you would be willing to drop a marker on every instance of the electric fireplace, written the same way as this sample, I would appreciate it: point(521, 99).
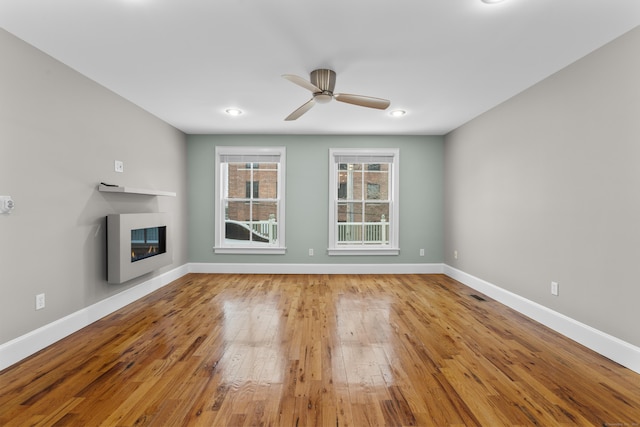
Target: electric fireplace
point(148, 242)
point(137, 244)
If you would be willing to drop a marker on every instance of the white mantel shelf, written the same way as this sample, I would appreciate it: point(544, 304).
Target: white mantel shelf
point(130, 190)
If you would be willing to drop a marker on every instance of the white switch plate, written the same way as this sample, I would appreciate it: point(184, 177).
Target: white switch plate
point(119, 166)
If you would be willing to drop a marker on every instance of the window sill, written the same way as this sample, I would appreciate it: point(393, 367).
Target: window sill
point(363, 251)
point(251, 251)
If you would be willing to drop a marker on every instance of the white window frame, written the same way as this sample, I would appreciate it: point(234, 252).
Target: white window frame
point(367, 155)
point(251, 155)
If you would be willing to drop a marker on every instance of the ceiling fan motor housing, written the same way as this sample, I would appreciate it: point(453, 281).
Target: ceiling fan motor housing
point(324, 80)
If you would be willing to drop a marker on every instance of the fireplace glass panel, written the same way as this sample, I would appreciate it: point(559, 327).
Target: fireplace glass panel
point(147, 242)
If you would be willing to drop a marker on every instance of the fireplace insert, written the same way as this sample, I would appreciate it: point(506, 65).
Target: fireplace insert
point(148, 242)
point(137, 244)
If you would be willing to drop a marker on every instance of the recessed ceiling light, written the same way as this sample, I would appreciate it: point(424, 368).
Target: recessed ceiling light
point(491, 1)
point(397, 113)
point(233, 111)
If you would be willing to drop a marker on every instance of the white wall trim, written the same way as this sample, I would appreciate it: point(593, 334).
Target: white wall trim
point(241, 268)
point(30, 343)
point(19, 348)
point(607, 345)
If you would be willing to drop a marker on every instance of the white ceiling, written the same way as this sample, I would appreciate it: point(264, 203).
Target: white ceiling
point(444, 61)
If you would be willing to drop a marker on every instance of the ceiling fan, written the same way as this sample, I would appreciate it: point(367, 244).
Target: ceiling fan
point(321, 85)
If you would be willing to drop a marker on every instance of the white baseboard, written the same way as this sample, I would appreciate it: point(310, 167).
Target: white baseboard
point(30, 343)
point(241, 268)
point(19, 348)
point(609, 346)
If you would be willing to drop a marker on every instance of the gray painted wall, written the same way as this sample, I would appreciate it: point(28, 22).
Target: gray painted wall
point(307, 192)
point(59, 136)
point(546, 187)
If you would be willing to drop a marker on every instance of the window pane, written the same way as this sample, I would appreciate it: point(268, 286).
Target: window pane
point(350, 212)
point(350, 181)
point(265, 221)
point(376, 227)
point(342, 182)
point(263, 211)
point(251, 221)
point(267, 176)
point(237, 211)
point(342, 191)
point(356, 187)
point(252, 191)
point(377, 182)
point(237, 216)
point(238, 176)
point(373, 191)
point(350, 223)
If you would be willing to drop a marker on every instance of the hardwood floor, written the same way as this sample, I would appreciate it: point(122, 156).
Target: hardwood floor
point(317, 350)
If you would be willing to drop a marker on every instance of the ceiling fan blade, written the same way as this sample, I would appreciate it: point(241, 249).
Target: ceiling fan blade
point(301, 110)
point(302, 82)
point(363, 101)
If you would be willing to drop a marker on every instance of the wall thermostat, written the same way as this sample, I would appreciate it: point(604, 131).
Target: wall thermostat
point(6, 204)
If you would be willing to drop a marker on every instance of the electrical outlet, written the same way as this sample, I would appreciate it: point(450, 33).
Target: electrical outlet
point(310, 251)
point(455, 254)
point(555, 288)
point(119, 166)
point(421, 252)
point(39, 301)
point(6, 204)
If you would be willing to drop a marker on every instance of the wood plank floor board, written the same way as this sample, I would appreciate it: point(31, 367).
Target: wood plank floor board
point(317, 350)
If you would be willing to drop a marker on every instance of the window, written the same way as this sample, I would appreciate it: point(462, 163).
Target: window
point(363, 205)
point(249, 200)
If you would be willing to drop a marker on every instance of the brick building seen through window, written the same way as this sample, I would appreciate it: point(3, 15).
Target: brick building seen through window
point(252, 189)
point(363, 192)
point(361, 187)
